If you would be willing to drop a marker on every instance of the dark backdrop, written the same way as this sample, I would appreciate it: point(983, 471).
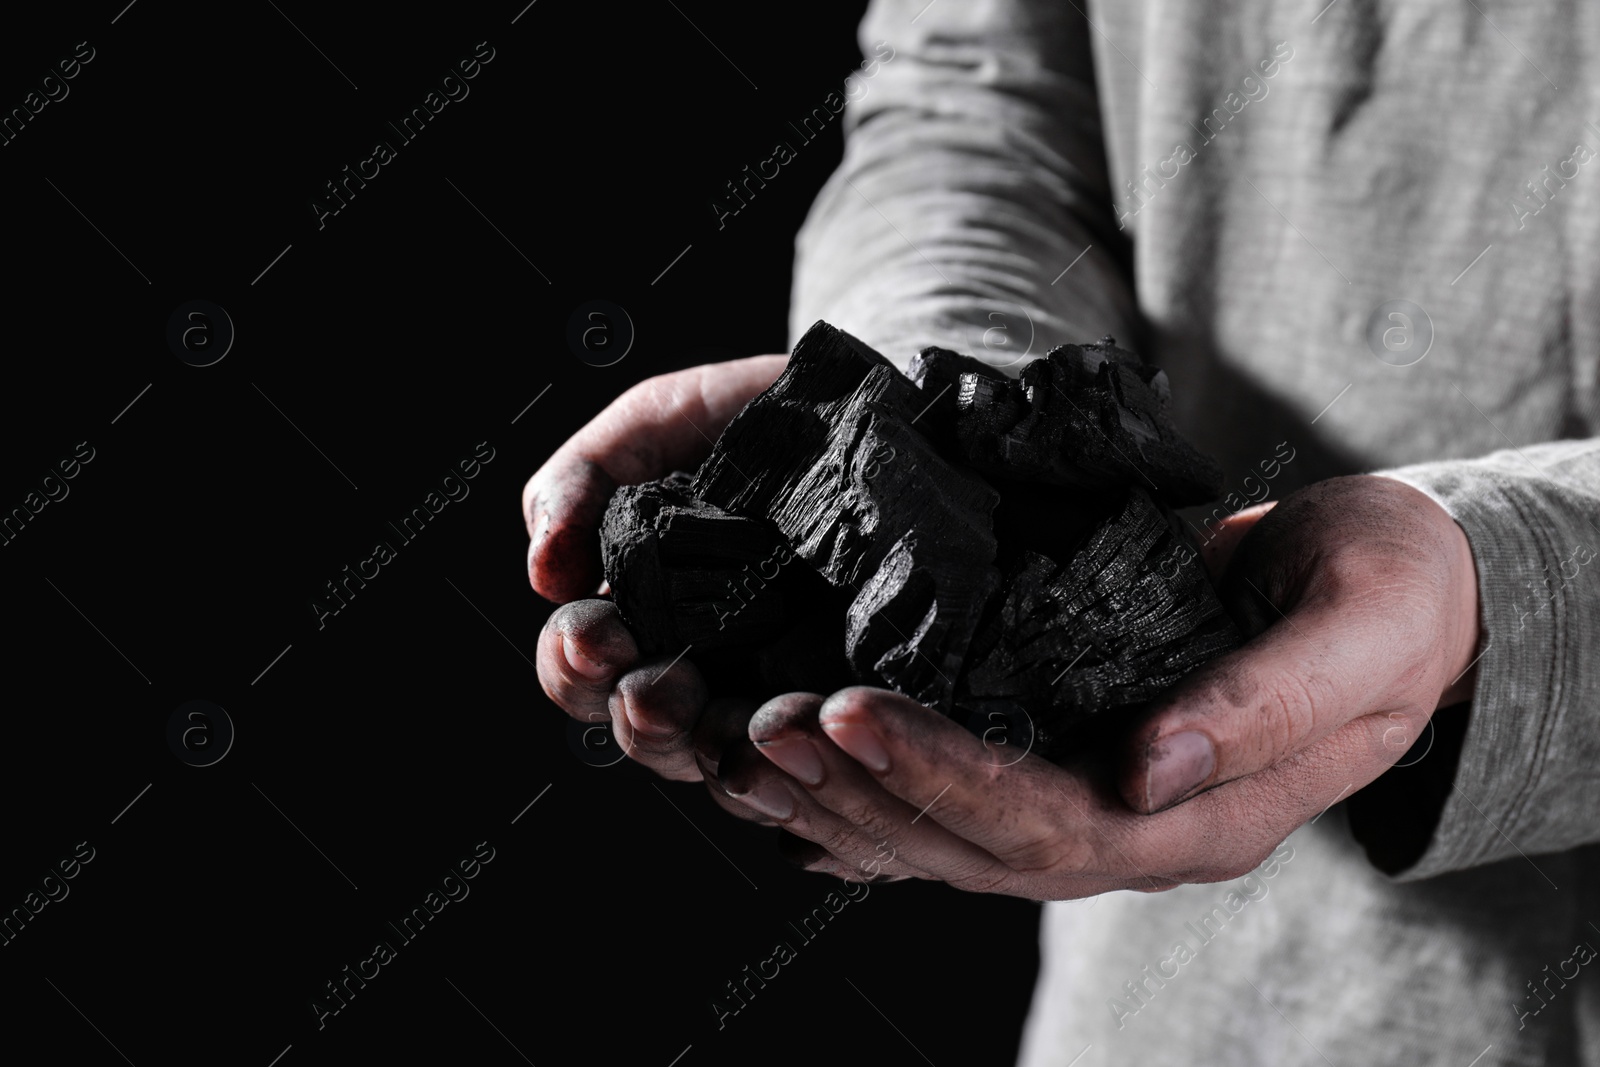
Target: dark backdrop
point(207, 507)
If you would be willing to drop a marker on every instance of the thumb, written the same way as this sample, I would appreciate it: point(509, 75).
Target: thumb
point(659, 425)
point(1330, 660)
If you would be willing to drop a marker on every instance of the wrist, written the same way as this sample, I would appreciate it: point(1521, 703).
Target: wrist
point(1459, 616)
point(1461, 629)
point(1464, 614)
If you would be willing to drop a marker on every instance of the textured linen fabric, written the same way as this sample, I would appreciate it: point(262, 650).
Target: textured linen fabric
point(1241, 192)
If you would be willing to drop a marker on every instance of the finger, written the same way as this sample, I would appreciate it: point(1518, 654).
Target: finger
point(583, 648)
point(1065, 833)
point(658, 426)
point(810, 856)
point(742, 812)
point(1217, 549)
point(722, 723)
point(654, 709)
point(725, 721)
point(563, 549)
point(1062, 835)
point(1330, 659)
point(1224, 833)
point(1046, 824)
point(789, 735)
point(749, 779)
point(864, 845)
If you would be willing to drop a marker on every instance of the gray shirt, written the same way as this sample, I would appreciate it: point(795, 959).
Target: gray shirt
point(1364, 234)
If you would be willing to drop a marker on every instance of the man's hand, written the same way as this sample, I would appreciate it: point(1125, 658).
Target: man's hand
point(588, 662)
point(1363, 597)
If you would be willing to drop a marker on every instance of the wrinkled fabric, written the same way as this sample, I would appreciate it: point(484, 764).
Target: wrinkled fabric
point(1364, 234)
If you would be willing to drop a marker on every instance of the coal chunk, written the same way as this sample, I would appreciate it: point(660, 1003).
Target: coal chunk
point(912, 622)
point(686, 573)
point(937, 372)
point(1122, 619)
point(999, 549)
point(1091, 416)
point(809, 657)
point(830, 456)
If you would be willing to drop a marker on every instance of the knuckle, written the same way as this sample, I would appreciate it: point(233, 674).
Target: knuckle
point(649, 393)
point(656, 745)
point(659, 751)
point(991, 879)
point(575, 699)
point(563, 697)
point(571, 699)
point(968, 867)
point(868, 819)
point(1288, 703)
point(734, 808)
point(853, 702)
point(1250, 840)
point(1054, 854)
point(1340, 572)
point(678, 769)
point(994, 777)
point(664, 395)
point(662, 715)
point(840, 839)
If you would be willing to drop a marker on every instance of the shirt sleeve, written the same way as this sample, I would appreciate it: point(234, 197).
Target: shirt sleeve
point(971, 209)
point(1527, 781)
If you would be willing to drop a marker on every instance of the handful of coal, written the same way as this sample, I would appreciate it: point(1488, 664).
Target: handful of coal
point(1000, 549)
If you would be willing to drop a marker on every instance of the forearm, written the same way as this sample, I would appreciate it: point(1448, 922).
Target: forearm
point(973, 179)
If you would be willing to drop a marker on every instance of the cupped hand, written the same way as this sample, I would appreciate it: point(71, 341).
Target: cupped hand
point(662, 424)
point(1362, 596)
point(588, 662)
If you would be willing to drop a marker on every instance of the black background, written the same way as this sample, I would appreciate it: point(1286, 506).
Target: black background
point(373, 355)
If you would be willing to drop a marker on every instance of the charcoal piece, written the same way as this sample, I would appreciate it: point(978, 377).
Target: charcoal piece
point(998, 549)
point(912, 623)
point(937, 372)
point(1052, 520)
point(685, 573)
point(789, 455)
point(829, 456)
point(809, 657)
point(1085, 415)
point(1125, 617)
point(789, 423)
point(844, 475)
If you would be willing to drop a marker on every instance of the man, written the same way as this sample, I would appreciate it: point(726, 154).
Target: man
point(1358, 237)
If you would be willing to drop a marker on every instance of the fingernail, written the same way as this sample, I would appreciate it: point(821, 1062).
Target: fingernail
point(575, 659)
point(1176, 765)
point(770, 799)
point(646, 725)
point(796, 755)
point(861, 743)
